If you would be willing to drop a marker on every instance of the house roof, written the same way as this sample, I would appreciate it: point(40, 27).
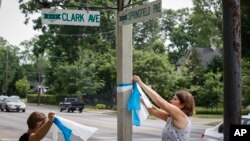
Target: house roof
point(205, 55)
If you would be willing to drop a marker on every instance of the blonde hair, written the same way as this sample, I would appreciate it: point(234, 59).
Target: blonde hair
point(34, 118)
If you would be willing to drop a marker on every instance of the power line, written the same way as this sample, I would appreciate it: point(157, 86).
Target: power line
point(81, 35)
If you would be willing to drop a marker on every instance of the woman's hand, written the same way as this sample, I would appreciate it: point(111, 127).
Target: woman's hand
point(51, 116)
point(136, 78)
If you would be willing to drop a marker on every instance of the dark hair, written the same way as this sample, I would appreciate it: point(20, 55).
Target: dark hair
point(187, 99)
point(34, 118)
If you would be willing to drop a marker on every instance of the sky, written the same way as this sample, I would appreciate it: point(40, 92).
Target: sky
point(13, 29)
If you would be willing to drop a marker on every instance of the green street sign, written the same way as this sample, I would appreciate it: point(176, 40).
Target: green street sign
point(140, 13)
point(71, 17)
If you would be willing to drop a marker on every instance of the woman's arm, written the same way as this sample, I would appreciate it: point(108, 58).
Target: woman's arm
point(155, 111)
point(161, 114)
point(41, 132)
point(157, 99)
point(172, 110)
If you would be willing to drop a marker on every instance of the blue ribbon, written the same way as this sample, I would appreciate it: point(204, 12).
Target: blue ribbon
point(124, 84)
point(134, 105)
point(65, 130)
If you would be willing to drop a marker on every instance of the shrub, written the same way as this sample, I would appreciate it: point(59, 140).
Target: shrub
point(246, 101)
point(100, 106)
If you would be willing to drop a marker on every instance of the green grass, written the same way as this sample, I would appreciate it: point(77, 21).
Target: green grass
point(209, 109)
point(216, 112)
point(207, 116)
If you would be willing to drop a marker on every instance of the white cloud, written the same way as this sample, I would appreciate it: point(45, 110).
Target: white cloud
point(12, 27)
point(176, 4)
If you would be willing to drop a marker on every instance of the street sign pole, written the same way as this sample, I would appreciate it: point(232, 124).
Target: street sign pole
point(124, 78)
point(140, 13)
point(125, 18)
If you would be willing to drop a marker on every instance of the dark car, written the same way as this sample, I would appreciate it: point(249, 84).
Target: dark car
point(71, 105)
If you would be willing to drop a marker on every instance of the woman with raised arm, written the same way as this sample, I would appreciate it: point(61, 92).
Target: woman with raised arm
point(38, 126)
point(176, 113)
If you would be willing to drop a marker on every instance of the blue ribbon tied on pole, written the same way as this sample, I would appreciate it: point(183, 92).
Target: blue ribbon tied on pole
point(134, 105)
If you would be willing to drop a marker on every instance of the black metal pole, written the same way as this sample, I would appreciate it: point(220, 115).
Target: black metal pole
point(232, 65)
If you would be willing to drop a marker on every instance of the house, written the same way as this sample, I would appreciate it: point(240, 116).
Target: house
point(40, 86)
point(202, 56)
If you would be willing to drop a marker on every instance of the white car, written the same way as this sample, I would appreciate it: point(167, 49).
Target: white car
point(217, 134)
point(2, 97)
point(13, 104)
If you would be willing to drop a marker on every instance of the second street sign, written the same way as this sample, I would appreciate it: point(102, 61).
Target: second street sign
point(70, 17)
point(140, 13)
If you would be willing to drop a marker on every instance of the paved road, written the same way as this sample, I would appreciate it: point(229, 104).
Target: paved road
point(13, 124)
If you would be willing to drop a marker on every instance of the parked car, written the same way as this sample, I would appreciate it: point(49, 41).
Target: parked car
point(2, 97)
point(12, 104)
point(71, 105)
point(15, 96)
point(217, 133)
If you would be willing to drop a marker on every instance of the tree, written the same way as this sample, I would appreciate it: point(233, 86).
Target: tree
point(206, 23)
point(197, 27)
point(23, 86)
point(158, 47)
point(145, 33)
point(106, 68)
point(208, 14)
point(62, 43)
point(245, 28)
point(245, 83)
point(156, 71)
point(175, 29)
point(210, 93)
point(9, 65)
point(81, 76)
point(26, 55)
point(216, 65)
point(28, 61)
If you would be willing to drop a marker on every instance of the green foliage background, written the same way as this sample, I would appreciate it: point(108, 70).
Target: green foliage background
point(82, 60)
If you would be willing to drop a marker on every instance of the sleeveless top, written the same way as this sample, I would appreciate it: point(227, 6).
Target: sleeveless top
point(24, 137)
point(171, 133)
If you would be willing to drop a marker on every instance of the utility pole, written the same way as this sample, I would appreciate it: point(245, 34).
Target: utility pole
point(124, 76)
point(6, 72)
point(232, 65)
point(39, 80)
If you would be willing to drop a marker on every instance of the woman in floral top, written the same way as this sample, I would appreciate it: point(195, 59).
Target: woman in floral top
point(176, 113)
